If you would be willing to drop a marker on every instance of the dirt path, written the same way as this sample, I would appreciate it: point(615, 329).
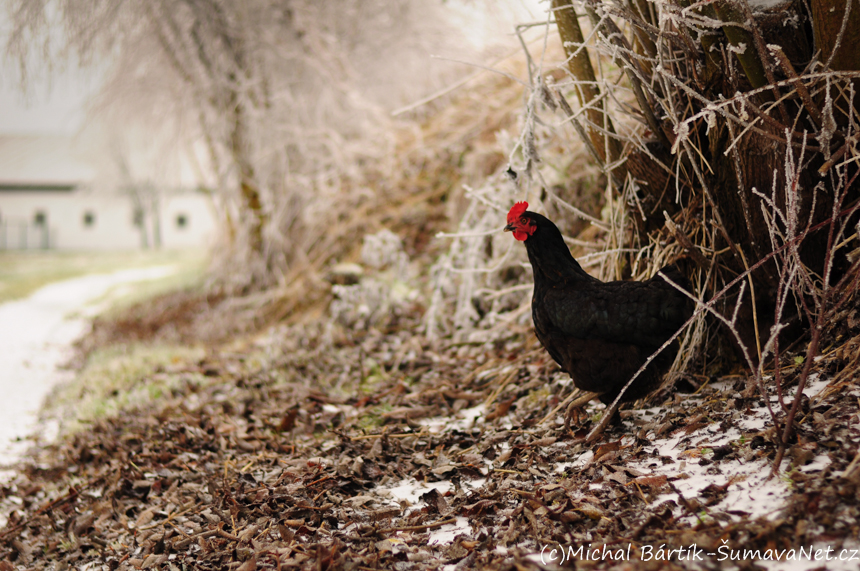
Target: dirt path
point(36, 334)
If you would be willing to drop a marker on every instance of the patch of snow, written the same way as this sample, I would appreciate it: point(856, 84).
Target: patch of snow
point(581, 461)
point(749, 489)
point(814, 385)
point(448, 532)
point(465, 420)
point(412, 490)
point(818, 463)
point(474, 484)
point(758, 419)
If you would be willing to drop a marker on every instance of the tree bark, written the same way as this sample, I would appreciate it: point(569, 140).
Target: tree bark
point(248, 188)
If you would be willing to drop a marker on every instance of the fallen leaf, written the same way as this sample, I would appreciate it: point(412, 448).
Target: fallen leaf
point(650, 481)
point(501, 409)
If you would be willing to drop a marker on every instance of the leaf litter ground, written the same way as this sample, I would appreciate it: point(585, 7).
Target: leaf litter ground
point(318, 447)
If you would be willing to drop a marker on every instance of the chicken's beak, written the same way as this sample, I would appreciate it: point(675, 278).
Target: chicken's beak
point(510, 228)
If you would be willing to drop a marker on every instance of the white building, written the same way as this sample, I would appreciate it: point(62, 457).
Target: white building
point(49, 198)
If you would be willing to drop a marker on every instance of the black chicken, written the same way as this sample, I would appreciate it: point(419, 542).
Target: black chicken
point(600, 333)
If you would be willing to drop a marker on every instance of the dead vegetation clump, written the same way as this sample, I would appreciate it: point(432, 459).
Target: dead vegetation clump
point(726, 143)
point(413, 193)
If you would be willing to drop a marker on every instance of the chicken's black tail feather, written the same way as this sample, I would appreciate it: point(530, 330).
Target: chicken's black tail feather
point(673, 272)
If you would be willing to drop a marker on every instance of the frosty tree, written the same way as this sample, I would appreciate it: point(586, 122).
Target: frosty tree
point(289, 99)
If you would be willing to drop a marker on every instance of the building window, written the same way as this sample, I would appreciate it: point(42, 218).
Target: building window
point(40, 218)
point(89, 218)
point(181, 221)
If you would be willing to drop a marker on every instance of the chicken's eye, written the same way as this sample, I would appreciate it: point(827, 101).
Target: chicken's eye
point(524, 221)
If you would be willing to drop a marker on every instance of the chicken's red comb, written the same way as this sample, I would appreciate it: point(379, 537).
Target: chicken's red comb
point(516, 210)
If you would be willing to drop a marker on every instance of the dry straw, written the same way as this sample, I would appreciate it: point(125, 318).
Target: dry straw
point(724, 137)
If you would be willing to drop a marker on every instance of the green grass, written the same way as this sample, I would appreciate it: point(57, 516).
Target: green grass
point(120, 379)
point(190, 274)
point(22, 273)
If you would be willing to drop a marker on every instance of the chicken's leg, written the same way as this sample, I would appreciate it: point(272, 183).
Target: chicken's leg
point(581, 401)
point(597, 431)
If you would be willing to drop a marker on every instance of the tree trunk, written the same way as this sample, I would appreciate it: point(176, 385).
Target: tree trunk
point(248, 188)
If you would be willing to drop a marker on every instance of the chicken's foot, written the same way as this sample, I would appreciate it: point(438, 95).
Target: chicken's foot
point(597, 431)
point(577, 403)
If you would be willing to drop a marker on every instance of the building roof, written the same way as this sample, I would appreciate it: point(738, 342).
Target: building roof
point(42, 161)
